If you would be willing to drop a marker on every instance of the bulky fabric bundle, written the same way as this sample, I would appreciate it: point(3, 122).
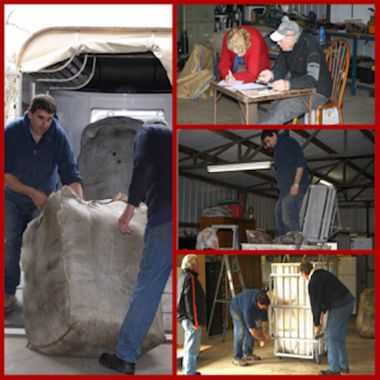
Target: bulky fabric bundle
point(79, 273)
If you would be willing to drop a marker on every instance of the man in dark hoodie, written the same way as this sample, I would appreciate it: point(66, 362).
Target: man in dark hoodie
point(302, 57)
point(151, 184)
point(327, 293)
point(191, 312)
point(291, 176)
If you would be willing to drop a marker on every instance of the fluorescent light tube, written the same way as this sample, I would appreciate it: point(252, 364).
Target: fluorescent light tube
point(239, 167)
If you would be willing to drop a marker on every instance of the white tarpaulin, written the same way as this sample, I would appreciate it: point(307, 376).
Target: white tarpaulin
point(53, 45)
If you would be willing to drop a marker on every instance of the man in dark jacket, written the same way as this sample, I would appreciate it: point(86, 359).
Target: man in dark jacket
point(292, 178)
point(327, 293)
point(302, 57)
point(150, 183)
point(191, 312)
point(245, 309)
point(38, 157)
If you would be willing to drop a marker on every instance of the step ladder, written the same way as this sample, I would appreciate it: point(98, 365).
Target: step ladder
point(227, 271)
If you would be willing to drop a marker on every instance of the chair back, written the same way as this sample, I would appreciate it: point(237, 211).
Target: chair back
point(338, 62)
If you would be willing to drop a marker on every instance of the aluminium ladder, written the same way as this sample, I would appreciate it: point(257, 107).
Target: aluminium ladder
point(227, 272)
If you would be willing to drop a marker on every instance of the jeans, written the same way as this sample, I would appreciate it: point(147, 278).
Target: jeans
point(287, 213)
point(335, 336)
point(284, 110)
point(17, 216)
point(191, 347)
point(243, 340)
point(155, 268)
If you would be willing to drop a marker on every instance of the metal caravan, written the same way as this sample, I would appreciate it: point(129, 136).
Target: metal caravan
point(106, 81)
point(98, 72)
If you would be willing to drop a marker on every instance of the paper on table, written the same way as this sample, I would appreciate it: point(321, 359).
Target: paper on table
point(252, 86)
point(239, 85)
point(226, 84)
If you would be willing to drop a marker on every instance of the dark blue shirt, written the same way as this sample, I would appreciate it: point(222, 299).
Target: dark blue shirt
point(152, 173)
point(245, 304)
point(288, 156)
point(39, 165)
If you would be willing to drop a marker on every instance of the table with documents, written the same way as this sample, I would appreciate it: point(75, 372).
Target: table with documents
point(248, 95)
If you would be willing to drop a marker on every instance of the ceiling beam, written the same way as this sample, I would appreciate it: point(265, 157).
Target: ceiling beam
point(370, 136)
point(249, 144)
point(221, 148)
point(329, 150)
point(232, 136)
point(338, 156)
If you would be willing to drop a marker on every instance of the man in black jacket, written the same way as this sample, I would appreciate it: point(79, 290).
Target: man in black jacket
point(151, 184)
point(191, 312)
point(302, 57)
point(327, 293)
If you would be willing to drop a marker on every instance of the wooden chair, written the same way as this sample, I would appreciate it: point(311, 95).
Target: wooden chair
point(338, 62)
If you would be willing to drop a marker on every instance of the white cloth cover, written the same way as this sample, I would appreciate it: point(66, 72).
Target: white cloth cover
point(52, 45)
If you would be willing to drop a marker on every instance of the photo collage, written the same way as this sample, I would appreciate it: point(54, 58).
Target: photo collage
point(189, 189)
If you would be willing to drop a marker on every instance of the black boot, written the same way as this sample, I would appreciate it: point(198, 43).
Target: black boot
point(119, 365)
point(329, 372)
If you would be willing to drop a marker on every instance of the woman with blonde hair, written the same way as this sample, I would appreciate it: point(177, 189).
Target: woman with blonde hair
point(191, 312)
point(243, 46)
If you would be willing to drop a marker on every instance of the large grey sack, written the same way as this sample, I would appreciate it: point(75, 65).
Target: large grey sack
point(365, 319)
point(79, 273)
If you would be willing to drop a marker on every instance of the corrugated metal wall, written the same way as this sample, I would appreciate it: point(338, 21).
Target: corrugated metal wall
point(194, 196)
point(263, 211)
point(356, 219)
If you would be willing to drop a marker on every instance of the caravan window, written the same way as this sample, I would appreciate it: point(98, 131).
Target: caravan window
point(144, 115)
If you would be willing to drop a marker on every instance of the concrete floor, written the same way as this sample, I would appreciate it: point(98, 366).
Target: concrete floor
point(216, 359)
point(22, 360)
point(357, 109)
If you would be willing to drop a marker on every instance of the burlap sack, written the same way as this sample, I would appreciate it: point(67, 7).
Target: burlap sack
point(79, 274)
point(195, 78)
point(365, 319)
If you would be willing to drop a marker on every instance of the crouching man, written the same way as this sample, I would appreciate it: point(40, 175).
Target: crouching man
point(245, 308)
point(191, 312)
point(327, 293)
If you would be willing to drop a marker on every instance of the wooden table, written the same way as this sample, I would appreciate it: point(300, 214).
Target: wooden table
point(283, 247)
point(248, 104)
